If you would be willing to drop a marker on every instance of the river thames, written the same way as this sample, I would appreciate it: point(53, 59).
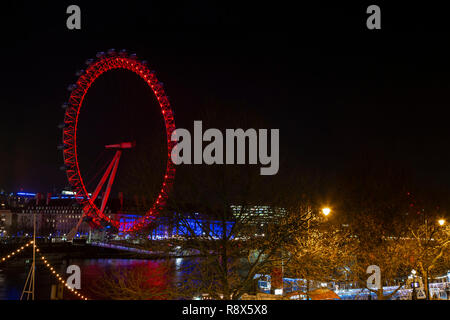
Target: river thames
point(13, 276)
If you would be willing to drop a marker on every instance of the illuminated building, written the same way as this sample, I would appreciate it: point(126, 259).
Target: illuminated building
point(57, 215)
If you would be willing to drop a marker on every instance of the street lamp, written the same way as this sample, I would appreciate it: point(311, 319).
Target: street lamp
point(414, 292)
point(326, 211)
point(441, 222)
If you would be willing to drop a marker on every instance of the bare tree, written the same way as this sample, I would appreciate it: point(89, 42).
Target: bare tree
point(232, 255)
point(383, 246)
point(235, 234)
point(144, 281)
point(429, 249)
point(322, 253)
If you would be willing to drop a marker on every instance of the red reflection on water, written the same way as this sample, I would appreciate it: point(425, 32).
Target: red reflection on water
point(129, 279)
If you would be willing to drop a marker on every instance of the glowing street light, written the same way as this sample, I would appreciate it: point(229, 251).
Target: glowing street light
point(441, 222)
point(326, 211)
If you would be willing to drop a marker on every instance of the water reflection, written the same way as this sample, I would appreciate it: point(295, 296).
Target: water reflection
point(13, 276)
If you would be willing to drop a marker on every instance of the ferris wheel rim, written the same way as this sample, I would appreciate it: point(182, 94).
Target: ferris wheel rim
point(103, 64)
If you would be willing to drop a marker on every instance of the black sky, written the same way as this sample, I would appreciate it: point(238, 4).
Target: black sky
point(335, 89)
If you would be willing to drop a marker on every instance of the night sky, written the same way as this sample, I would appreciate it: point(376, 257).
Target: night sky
point(336, 91)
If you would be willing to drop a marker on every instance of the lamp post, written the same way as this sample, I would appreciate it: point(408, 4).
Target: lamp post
point(325, 211)
point(441, 222)
point(447, 291)
point(414, 292)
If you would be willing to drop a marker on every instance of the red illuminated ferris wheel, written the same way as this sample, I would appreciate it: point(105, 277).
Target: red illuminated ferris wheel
point(92, 213)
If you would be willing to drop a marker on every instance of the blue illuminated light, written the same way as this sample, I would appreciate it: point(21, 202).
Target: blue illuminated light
point(26, 194)
point(66, 197)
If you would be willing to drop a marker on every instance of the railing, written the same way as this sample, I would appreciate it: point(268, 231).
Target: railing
point(120, 247)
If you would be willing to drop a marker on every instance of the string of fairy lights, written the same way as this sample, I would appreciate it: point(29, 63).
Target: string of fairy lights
point(58, 276)
point(47, 264)
point(12, 254)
